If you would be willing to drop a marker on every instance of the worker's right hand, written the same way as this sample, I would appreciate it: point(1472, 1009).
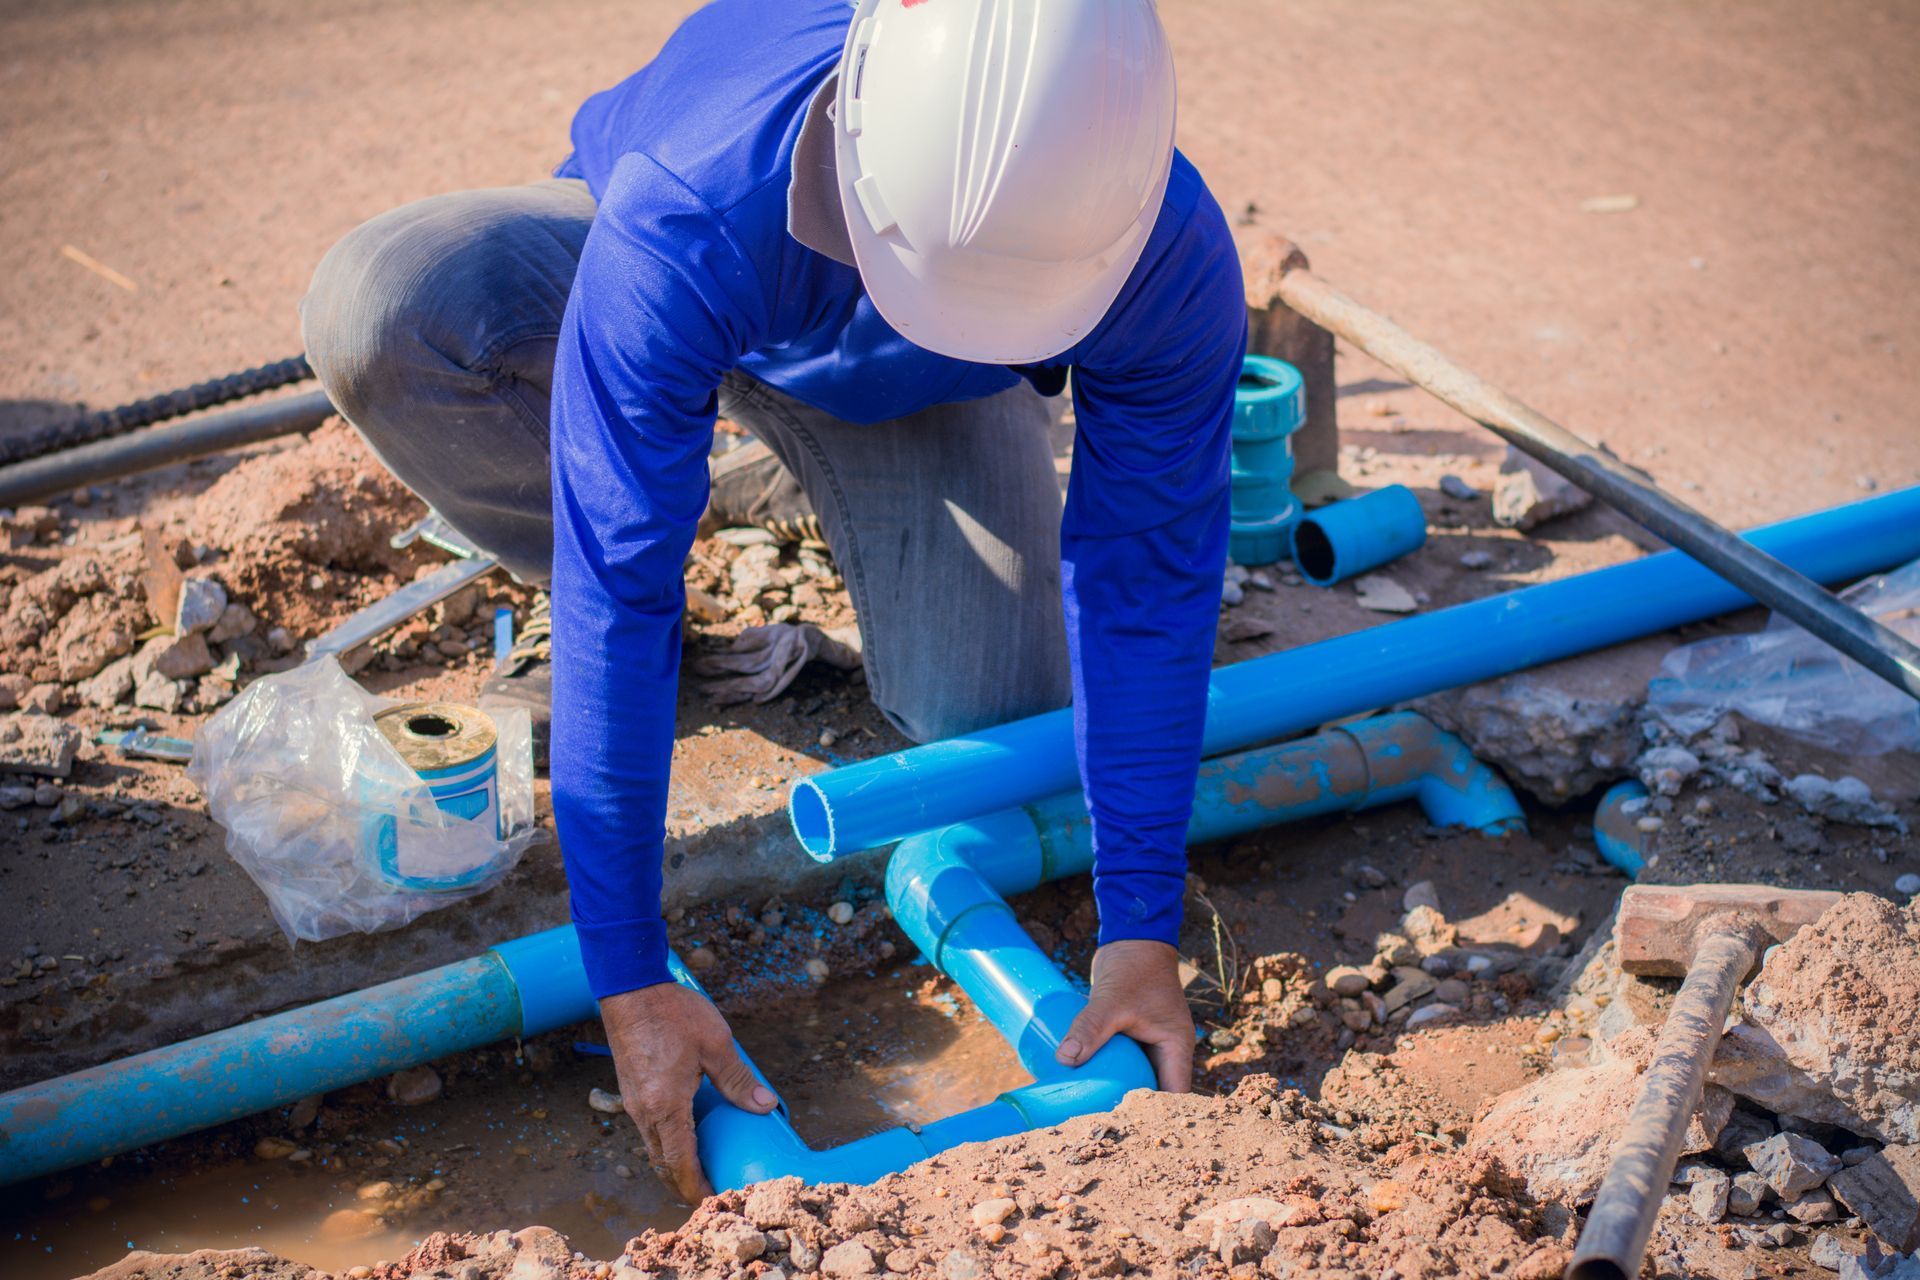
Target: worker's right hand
point(663, 1039)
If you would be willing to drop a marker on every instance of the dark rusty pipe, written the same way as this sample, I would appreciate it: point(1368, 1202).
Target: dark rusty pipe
point(1868, 642)
point(1629, 1198)
point(161, 446)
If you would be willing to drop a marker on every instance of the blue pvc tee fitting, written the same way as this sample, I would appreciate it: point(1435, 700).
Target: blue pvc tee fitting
point(1348, 538)
point(1269, 405)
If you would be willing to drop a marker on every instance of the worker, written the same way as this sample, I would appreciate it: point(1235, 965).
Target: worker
point(876, 236)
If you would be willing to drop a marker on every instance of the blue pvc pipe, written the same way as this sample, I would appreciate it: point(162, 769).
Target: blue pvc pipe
point(1616, 827)
point(1350, 538)
point(879, 801)
point(947, 889)
point(1269, 405)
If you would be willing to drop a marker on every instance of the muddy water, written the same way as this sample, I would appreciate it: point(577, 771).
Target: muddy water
point(505, 1148)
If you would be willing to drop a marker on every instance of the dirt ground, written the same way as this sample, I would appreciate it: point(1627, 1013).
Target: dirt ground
point(1741, 331)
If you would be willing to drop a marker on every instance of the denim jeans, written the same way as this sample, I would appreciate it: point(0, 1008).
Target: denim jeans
point(433, 328)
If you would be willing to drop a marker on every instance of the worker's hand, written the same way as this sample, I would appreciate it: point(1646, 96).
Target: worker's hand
point(1137, 992)
point(663, 1039)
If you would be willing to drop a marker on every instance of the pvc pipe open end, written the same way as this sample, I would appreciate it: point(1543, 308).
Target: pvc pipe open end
point(1313, 553)
point(812, 821)
point(1596, 1269)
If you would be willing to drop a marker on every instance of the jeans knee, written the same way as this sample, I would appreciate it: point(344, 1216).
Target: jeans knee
point(361, 322)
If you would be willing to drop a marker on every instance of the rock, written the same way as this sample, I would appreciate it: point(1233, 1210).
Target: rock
point(1883, 1191)
point(700, 960)
point(1793, 1164)
point(46, 795)
point(235, 620)
point(1826, 1252)
point(1422, 893)
point(1345, 980)
point(736, 1241)
point(1246, 1241)
point(1816, 1042)
point(803, 1254)
point(1665, 770)
point(992, 1212)
point(34, 743)
point(202, 601)
point(1843, 800)
point(960, 1264)
point(903, 1260)
point(1457, 489)
point(110, 687)
point(1742, 1130)
point(274, 1148)
point(151, 689)
point(46, 698)
point(1780, 1235)
point(1747, 1192)
point(1427, 1013)
point(14, 796)
point(1529, 494)
point(1428, 930)
point(1476, 560)
point(1908, 884)
point(848, 1258)
point(607, 1103)
point(1708, 1196)
point(1557, 1133)
point(1452, 991)
point(840, 912)
point(174, 657)
point(414, 1086)
point(1814, 1207)
point(1378, 592)
point(1409, 985)
point(818, 969)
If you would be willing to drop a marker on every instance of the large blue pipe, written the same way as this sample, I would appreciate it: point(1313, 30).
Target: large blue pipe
point(878, 801)
point(947, 889)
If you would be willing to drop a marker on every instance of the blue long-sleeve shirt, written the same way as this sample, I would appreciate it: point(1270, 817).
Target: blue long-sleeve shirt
point(690, 271)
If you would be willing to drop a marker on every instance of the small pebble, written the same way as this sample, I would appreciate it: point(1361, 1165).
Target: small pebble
point(1457, 489)
point(608, 1103)
point(1908, 884)
point(817, 969)
point(1476, 560)
point(840, 912)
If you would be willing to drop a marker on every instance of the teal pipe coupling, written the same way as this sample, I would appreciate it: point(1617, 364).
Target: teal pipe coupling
point(1269, 405)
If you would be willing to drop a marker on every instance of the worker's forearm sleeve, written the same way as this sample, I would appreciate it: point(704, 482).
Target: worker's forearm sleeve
point(1143, 547)
point(659, 312)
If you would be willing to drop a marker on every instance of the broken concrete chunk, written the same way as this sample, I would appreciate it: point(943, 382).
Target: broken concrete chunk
point(1826, 1252)
point(110, 687)
point(174, 657)
point(1817, 1042)
point(1792, 1164)
point(1708, 1197)
point(1665, 770)
point(1884, 1192)
point(1378, 592)
point(1816, 1206)
point(202, 601)
point(1558, 1132)
point(151, 689)
point(1530, 494)
point(1746, 1193)
point(1842, 800)
point(33, 743)
point(235, 620)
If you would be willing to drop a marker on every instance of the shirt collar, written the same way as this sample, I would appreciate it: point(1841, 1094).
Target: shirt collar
point(814, 216)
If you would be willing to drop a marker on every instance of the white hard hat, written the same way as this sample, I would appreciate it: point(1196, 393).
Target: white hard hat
point(1001, 164)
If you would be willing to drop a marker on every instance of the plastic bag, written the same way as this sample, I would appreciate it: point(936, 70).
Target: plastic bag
point(1784, 678)
point(306, 785)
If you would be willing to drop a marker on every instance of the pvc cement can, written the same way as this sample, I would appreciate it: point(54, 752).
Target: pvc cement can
point(454, 750)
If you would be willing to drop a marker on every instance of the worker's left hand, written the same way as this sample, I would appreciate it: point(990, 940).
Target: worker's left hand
point(1137, 992)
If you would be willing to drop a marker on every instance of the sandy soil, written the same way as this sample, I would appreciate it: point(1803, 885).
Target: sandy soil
point(1742, 331)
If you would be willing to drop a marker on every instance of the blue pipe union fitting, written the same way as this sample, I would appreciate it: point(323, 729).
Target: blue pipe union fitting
point(1269, 405)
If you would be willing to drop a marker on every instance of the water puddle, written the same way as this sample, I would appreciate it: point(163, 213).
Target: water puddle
point(505, 1148)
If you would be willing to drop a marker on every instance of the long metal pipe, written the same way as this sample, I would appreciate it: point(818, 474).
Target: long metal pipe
point(878, 801)
point(161, 446)
point(1629, 1199)
point(1766, 578)
point(947, 890)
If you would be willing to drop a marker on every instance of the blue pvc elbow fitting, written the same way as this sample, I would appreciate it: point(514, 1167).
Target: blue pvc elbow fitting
point(1349, 538)
point(1269, 405)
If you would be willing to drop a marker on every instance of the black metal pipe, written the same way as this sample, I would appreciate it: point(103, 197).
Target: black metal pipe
point(1629, 1197)
point(119, 420)
point(161, 446)
point(1867, 641)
